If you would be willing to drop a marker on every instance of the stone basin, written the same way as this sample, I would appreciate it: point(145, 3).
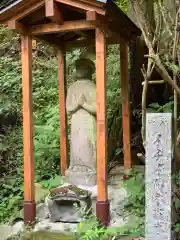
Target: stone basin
point(65, 203)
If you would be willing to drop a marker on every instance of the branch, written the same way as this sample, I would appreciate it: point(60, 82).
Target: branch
point(174, 57)
point(155, 82)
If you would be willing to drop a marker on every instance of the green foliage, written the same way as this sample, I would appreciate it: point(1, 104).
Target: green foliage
point(53, 182)
point(135, 205)
point(155, 107)
point(90, 230)
point(123, 4)
point(135, 186)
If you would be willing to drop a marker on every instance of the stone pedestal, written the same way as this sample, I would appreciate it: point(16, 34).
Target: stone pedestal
point(81, 178)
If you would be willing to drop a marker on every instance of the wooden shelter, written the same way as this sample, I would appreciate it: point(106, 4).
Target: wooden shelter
point(67, 24)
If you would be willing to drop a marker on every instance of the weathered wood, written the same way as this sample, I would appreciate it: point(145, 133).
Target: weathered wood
point(82, 5)
point(102, 204)
point(18, 27)
point(30, 9)
point(91, 15)
point(125, 104)
point(62, 112)
point(158, 176)
point(101, 115)
point(53, 12)
point(66, 27)
point(29, 192)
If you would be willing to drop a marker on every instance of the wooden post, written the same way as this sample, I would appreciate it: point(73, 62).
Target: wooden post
point(62, 112)
point(125, 105)
point(102, 205)
point(29, 192)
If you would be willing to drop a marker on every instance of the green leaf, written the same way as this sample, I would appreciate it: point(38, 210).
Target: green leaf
point(154, 105)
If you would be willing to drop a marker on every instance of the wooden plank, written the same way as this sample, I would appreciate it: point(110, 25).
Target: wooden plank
point(125, 104)
point(66, 27)
point(101, 115)
point(53, 12)
point(29, 191)
point(62, 111)
point(84, 6)
point(27, 11)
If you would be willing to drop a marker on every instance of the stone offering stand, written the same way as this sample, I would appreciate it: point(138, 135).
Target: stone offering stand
point(68, 24)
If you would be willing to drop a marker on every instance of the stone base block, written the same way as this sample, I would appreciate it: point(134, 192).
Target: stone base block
point(81, 178)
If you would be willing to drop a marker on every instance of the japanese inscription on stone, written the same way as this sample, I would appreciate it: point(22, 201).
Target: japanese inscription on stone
point(158, 176)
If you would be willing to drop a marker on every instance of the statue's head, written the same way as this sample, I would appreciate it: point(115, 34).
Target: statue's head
point(84, 68)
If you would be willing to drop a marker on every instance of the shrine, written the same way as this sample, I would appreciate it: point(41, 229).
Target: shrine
point(68, 24)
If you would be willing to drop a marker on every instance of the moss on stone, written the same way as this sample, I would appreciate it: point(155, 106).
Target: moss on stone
point(65, 190)
point(43, 235)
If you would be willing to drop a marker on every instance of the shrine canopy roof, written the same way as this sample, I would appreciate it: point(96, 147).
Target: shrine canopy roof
point(68, 22)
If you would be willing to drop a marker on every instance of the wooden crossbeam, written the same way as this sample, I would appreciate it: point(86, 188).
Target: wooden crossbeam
point(53, 12)
point(83, 6)
point(18, 27)
point(66, 27)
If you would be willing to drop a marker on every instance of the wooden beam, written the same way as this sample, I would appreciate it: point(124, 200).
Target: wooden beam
point(125, 104)
point(29, 191)
point(18, 27)
point(102, 205)
point(83, 6)
point(29, 10)
point(66, 27)
point(62, 111)
point(53, 12)
point(91, 15)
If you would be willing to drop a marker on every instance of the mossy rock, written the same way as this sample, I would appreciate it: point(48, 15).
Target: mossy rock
point(43, 235)
point(65, 190)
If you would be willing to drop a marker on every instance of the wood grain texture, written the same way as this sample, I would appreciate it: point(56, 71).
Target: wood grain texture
point(125, 104)
point(62, 112)
point(84, 5)
point(101, 115)
point(91, 15)
point(26, 45)
point(18, 27)
point(66, 27)
point(28, 10)
point(53, 12)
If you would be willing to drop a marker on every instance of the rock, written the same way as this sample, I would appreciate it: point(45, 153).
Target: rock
point(61, 204)
point(42, 211)
point(63, 228)
point(7, 231)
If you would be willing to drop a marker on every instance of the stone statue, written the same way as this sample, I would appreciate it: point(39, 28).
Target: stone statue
point(81, 104)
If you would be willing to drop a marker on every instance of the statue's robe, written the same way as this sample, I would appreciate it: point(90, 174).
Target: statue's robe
point(81, 104)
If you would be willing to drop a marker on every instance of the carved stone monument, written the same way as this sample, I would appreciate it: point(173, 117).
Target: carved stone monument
point(158, 176)
point(81, 105)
